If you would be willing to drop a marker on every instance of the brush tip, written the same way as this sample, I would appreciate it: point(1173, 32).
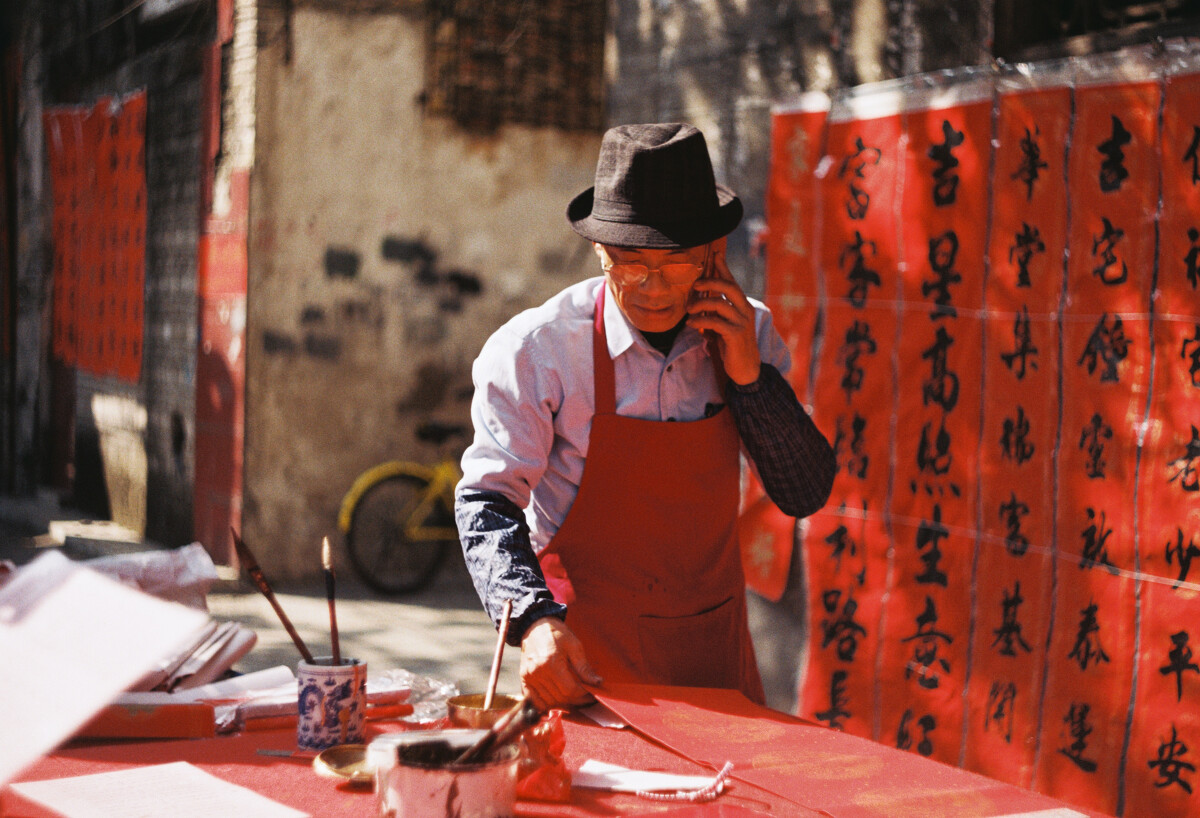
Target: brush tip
point(326, 557)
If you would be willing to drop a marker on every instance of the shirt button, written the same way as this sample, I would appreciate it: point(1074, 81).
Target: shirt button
point(671, 368)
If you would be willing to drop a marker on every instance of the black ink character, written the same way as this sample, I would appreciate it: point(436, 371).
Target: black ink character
point(1092, 440)
point(945, 178)
point(1190, 350)
point(1027, 244)
point(904, 740)
point(1104, 249)
point(1184, 555)
point(842, 543)
point(838, 700)
point(843, 628)
point(1001, 698)
point(1179, 661)
point(943, 252)
point(1014, 439)
point(1186, 473)
point(1031, 161)
point(858, 343)
point(850, 455)
point(928, 638)
point(1024, 352)
point(1170, 767)
point(1095, 543)
point(1192, 259)
point(1008, 635)
point(1079, 728)
point(1087, 649)
point(853, 166)
point(929, 533)
point(933, 456)
point(1112, 169)
point(1190, 154)
point(941, 387)
point(1107, 345)
point(1012, 512)
point(861, 277)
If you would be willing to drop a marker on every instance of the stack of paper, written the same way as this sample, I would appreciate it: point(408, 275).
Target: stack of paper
point(72, 640)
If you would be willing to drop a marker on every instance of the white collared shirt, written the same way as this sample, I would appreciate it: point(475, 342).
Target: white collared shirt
point(535, 397)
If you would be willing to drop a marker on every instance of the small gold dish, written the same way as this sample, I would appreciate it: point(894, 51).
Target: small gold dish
point(345, 761)
point(467, 710)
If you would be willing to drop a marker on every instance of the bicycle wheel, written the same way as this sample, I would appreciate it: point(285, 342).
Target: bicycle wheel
point(381, 553)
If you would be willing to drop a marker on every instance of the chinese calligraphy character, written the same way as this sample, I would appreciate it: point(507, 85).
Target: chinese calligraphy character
point(1112, 169)
point(929, 533)
point(1170, 768)
point(850, 454)
point(797, 148)
point(1001, 698)
point(1008, 635)
point(837, 701)
point(1190, 154)
point(1190, 349)
point(858, 343)
point(1179, 661)
point(934, 455)
point(941, 387)
point(1014, 438)
point(1092, 439)
point(943, 252)
point(1079, 728)
point(843, 628)
point(1187, 474)
point(842, 543)
point(1024, 348)
point(1106, 244)
point(1012, 512)
point(945, 179)
point(860, 276)
point(904, 741)
point(1031, 161)
point(854, 165)
point(1108, 345)
point(1087, 649)
point(1183, 555)
point(1192, 259)
point(1028, 243)
point(1095, 543)
point(925, 651)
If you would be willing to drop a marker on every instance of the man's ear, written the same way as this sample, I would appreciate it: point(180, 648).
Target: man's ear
point(599, 248)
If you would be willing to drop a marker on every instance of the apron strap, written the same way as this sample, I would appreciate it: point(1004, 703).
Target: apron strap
point(602, 365)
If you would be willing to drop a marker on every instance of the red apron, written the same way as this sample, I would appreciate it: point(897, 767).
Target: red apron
point(647, 560)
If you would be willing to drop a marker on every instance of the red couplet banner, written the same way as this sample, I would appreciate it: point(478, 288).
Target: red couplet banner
point(1113, 189)
point(934, 500)
point(1015, 569)
point(97, 168)
point(846, 545)
point(1160, 774)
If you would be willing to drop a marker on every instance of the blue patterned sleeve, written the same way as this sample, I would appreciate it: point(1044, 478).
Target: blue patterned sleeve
point(794, 460)
point(500, 559)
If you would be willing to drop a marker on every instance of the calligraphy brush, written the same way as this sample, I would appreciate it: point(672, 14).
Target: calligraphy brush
point(251, 565)
point(327, 564)
point(501, 636)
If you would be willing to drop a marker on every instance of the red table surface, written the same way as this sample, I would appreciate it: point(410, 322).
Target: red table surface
point(293, 782)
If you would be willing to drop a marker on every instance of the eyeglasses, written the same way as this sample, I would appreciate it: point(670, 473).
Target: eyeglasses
point(675, 273)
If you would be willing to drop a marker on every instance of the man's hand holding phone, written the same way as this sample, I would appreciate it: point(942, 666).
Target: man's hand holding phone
point(718, 305)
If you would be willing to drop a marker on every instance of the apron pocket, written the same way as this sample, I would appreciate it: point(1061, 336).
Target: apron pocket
point(699, 650)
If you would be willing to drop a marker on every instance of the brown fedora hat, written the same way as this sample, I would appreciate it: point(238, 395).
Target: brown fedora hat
point(654, 188)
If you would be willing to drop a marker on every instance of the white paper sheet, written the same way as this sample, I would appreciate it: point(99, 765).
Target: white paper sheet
point(603, 715)
point(72, 640)
point(178, 789)
point(600, 775)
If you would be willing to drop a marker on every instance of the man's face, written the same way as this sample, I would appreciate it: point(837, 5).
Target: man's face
point(659, 300)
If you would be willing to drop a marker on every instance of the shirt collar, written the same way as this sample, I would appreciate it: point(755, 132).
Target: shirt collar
point(622, 334)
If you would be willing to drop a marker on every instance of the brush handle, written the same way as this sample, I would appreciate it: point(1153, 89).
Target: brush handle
point(260, 582)
point(333, 626)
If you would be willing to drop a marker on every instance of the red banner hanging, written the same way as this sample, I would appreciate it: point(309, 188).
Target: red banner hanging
point(846, 545)
point(97, 168)
point(1113, 183)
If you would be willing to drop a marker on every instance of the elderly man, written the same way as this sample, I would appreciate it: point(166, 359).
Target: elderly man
point(600, 494)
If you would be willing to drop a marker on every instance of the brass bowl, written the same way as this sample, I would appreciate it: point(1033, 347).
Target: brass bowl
point(467, 710)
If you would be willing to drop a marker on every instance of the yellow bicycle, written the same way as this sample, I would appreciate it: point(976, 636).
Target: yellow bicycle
point(398, 518)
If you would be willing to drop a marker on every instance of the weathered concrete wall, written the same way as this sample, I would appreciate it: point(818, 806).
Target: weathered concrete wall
point(385, 246)
point(722, 66)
